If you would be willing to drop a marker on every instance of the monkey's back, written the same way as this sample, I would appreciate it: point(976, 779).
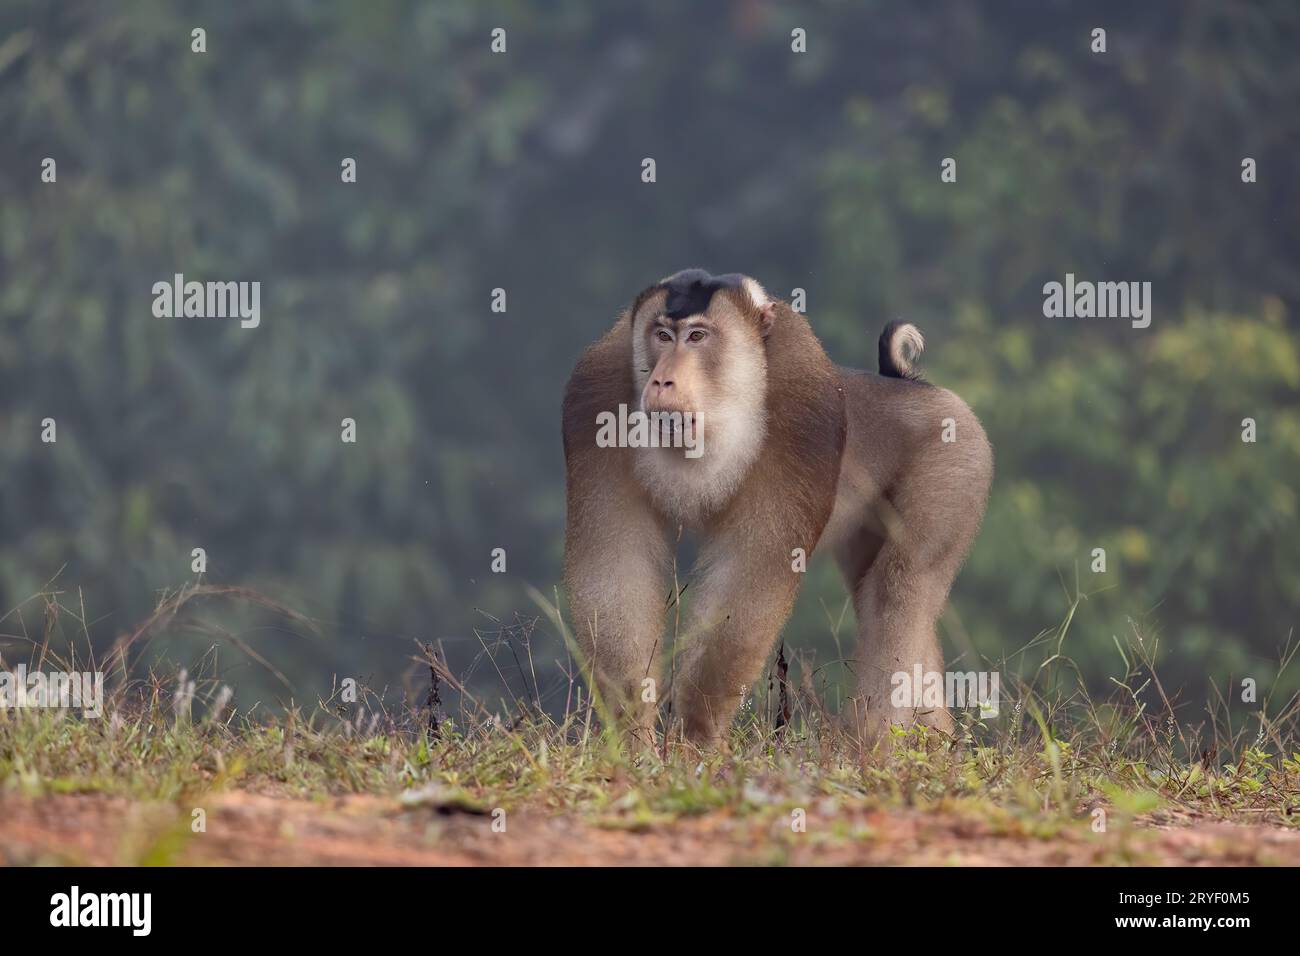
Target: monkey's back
point(897, 465)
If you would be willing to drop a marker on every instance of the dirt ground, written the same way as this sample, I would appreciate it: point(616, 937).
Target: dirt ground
point(252, 829)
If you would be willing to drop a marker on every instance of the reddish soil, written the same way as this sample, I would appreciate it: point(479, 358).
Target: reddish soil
point(251, 829)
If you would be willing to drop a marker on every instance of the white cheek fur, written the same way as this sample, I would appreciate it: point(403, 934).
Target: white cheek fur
point(734, 418)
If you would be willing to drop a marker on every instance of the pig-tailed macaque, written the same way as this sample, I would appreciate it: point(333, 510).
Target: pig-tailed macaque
point(763, 447)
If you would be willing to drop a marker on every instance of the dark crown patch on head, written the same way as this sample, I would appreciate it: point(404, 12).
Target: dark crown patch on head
point(691, 291)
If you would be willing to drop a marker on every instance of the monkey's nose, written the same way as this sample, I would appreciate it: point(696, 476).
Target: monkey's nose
point(662, 384)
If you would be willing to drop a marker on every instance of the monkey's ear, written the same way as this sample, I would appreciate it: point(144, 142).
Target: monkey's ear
point(766, 319)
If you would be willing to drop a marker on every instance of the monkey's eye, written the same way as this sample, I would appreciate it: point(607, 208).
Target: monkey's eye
point(664, 335)
point(697, 335)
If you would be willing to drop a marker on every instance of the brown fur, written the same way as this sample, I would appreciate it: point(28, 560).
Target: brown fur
point(849, 456)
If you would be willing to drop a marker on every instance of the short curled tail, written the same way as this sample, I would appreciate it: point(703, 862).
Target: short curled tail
point(900, 345)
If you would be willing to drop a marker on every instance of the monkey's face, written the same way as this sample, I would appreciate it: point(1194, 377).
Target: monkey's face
point(700, 362)
point(684, 358)
point(707, 364)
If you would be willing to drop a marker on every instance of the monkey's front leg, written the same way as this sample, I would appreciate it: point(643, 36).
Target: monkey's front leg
point(616, 559)
point(739, 607)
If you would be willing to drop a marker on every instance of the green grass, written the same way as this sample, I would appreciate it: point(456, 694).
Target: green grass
point(1054, 755)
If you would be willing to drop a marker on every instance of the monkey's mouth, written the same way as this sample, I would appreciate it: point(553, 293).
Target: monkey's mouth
point(672, 419)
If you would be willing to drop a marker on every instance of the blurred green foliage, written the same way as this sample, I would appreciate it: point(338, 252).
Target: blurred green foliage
point(521, 171)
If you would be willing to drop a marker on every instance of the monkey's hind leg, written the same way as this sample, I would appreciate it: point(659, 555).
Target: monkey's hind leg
point(897, 605)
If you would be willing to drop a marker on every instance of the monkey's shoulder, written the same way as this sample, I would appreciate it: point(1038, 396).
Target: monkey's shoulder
point(601, 380)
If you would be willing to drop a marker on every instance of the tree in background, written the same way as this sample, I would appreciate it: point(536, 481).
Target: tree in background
point(520, 171)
